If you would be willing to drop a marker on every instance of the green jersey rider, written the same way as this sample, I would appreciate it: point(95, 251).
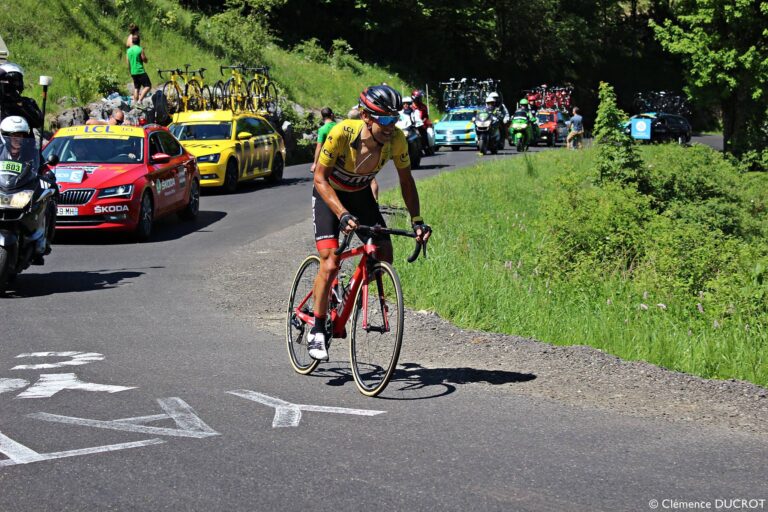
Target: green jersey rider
point(352, 155)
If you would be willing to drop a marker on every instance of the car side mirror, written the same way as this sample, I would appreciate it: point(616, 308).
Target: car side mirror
point(161, 158)
point(52, 160)
point(244, 135)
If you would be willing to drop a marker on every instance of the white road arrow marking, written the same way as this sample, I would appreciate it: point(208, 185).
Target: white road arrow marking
point(77, 359)
point(51, 383)
point(289, 415)
point(17, 453)
point(7, 385)
point(176, 409)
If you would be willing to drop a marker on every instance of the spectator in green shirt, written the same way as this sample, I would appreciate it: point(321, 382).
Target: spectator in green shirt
point(136, 59)
point(322, 133)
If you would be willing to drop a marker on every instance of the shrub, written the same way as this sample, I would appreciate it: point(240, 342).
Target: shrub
point(617, 157)
point(311, 51)
point(241, 38)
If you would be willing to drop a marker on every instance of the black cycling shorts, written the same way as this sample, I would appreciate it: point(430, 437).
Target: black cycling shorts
point(361, 204)
point(141, 81)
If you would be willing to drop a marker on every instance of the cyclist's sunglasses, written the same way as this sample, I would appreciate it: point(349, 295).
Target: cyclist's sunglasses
point(384, 120)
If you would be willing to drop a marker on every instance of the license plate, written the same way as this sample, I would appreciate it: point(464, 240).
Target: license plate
point(65, 211)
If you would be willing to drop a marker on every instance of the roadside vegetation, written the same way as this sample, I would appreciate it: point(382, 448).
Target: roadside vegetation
point(86, 55)
point(654, 253)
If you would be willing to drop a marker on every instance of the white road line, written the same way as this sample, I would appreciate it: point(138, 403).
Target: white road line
point(17, 453)
point(51, 383)
point(7, 385)
point(190, 425)
point(77, 359)
point(75, 453)
point(289, 415)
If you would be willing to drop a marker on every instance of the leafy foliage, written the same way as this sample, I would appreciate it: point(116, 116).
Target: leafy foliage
point(722, 45)
point(617, 157)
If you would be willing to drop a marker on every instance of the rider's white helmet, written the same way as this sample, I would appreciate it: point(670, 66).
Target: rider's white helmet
point(407, 99)
point(14, 74)
point(10, 67)
point(14, 124)
point(494, 95)
point(490, 99)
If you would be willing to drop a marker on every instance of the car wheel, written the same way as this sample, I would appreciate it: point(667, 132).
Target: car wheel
point(231, 177)
point(276, 176)
point(681, 139)
point(146, 218)
point(192, 208)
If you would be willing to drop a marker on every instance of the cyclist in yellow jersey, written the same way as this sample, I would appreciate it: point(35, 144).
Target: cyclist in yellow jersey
point(352, 155)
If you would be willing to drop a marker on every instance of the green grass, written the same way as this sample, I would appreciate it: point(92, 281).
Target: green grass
point(73, 40)
point(483, 273)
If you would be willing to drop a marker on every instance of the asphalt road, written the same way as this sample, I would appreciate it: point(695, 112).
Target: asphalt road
point(111, 330)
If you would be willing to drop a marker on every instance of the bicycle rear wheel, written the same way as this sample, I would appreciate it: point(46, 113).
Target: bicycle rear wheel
point(296, 329)
point(377, 330)
point(217, 95)
point(270, 98)
point(208, 103)
point(254, 95)
point(194, 96)
point(172, 97)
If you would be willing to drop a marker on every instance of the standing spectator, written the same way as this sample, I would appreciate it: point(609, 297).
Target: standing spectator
point(576, 132)
point(133, 30)
point(322, 134)
point(136, 59)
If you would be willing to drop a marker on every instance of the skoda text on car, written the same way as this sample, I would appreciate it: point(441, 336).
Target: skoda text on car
point(456, 129)
point(231, 147)
point(122, 178)
point(552, 126)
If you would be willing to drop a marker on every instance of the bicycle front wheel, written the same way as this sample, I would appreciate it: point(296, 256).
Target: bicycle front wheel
point(172, 97)
point(296, 329)
point(377, 330)
point(194, 95)
point(269, 101)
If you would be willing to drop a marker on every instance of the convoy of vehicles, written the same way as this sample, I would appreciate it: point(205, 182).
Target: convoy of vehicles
point(231, 148)
point(121, 178)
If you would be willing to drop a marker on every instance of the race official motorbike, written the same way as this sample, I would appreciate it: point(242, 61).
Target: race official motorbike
point(412, 136)
point(487, 132)
point(522, 131)
point(27, 208)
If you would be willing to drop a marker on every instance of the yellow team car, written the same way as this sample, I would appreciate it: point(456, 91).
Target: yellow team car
point(231, 147)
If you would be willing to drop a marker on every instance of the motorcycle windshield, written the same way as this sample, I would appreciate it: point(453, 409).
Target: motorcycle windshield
point(19, 161)
point(483, 116)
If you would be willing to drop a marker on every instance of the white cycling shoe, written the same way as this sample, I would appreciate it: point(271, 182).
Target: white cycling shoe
point(316, 345)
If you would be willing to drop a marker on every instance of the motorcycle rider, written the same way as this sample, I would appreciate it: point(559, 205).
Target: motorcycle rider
point(426, 126)
point(13, 130)
point(503, 114)
point(533, 122)
point(12, 103)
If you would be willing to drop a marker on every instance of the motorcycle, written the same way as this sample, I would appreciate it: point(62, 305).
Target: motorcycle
point(412, 136)
point(27, 208)
point(487, 132)
point(522, 132)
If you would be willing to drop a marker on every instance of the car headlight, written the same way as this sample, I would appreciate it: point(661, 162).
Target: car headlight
point(209, 159)
point(120, 191)
point(17, 200)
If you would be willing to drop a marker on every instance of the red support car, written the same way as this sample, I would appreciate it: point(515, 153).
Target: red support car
point(121, 178)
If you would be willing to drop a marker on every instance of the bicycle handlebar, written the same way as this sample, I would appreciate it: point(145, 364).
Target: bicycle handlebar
point(381, 230)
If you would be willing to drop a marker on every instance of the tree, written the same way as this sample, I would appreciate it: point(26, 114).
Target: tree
point(724, 47)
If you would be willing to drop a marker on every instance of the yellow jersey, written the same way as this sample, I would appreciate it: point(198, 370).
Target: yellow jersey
point(342, 147)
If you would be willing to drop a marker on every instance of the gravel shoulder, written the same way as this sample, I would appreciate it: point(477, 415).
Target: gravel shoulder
point(438, 357)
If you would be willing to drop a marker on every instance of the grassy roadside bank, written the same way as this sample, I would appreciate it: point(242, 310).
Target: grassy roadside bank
point(86, 51)
point(490, 268)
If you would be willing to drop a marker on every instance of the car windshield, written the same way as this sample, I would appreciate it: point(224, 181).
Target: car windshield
point(106, 149)
point(202, 131)
point(458, 116)
point(545, 118)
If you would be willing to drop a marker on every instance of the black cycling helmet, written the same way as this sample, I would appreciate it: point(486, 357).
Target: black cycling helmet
point(381, 100)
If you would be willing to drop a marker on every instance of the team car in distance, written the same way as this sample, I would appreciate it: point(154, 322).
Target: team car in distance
point(456, 129)
point(659, 127)
point(122, 178)
point(552, 126)
point(231, 147)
